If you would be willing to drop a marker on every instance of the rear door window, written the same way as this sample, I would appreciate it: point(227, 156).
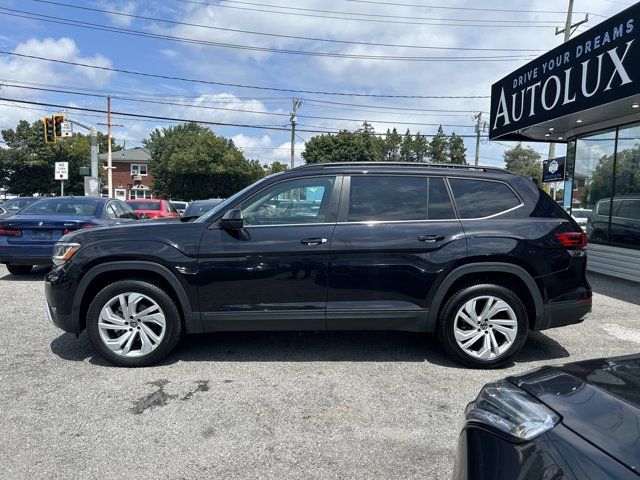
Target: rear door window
point(482, 198)
point(398, 198)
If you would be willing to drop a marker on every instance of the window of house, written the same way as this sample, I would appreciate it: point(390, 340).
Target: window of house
point(139, 169)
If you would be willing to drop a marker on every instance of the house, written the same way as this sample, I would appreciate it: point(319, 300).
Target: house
point(132, 177)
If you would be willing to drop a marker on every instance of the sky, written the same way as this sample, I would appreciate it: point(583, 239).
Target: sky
point(365, 56)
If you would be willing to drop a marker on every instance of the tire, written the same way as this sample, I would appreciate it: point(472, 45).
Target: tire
point(142, 340)
point(19, 269)
point(509, 335)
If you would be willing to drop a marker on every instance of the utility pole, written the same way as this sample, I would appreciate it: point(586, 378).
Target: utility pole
point(93, 132)
point(480, 127)
point(568, 30)
point(109, 158)
point(294, 119)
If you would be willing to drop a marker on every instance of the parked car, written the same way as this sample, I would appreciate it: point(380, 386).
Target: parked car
point(14, 205)
point(477, 255)
point(154, 208)
point(27, 239)
point(625, 220)
point(179, 205)
point(581, 215)
point(576, 421)
point(199, 207)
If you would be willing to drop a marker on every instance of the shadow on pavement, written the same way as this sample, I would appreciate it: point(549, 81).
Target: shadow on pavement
point(308, 347)
point(617, 288)
point(37, 273)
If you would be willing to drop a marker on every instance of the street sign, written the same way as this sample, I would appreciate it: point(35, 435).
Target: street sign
point(62, 171)
point(66, 130)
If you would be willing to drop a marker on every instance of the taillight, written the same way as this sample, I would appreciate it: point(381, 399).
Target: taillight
point(575, 240)
point(10, 232)
point(84, 225)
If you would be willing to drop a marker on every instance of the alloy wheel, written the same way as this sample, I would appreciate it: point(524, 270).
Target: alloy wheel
point(485, 327)
point(131, 324)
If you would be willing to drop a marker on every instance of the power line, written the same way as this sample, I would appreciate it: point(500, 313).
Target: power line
point(279, 35)
point(180, 120)
point(353, 18)
point(235, 110)
point(283, 7)
point(472, 9)
point(102, 93)
point(236, 85)
point(139, 33)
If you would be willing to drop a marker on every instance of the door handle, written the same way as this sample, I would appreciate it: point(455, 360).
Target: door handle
point(430, 238)
point(313, 241)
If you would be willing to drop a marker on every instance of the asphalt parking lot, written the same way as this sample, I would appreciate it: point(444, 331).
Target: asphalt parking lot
point(276, 405)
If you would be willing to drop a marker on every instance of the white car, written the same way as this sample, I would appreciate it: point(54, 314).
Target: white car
point(580, 215)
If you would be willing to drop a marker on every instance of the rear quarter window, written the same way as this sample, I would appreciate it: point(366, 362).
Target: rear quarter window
point(482, 198)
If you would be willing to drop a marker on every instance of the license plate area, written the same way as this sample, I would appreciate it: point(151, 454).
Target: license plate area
point(40, 235)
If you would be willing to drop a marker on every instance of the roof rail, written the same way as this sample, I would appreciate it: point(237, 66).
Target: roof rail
point(402, 164)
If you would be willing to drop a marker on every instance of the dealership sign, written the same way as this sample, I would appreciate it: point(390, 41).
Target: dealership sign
point(553, 170)
point(599, 66)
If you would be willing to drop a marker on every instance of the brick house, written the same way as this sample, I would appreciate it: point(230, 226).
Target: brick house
point(132, 177)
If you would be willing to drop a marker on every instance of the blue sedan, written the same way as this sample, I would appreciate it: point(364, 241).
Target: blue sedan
point(27, 239)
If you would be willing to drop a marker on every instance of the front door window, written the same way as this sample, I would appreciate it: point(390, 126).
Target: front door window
point(300, 201)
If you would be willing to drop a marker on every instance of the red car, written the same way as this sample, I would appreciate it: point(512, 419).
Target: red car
point(154, 208)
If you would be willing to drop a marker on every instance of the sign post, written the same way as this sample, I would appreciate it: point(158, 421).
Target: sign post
point(62, 174)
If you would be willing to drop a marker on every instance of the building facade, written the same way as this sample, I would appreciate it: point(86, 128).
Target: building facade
point(586, 93)
point(132, 176)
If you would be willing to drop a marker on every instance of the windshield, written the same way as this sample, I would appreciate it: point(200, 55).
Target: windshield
point(17, 204)
point(145, 205)
point(198, 208)
point(63, 206)
point(228, 201)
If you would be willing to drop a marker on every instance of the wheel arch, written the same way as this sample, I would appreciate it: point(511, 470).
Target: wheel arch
point(101, 275)
point(475, 272)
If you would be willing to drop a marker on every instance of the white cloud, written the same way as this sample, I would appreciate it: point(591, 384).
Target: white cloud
point(127, 8)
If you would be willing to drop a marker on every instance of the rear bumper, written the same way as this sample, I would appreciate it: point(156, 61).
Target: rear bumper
point(26, 255)
point(561, 314)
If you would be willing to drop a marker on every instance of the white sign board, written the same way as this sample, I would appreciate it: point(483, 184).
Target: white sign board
point(66, 129)
point(62, 171)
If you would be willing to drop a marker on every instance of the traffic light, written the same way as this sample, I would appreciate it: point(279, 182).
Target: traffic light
point(49, 130)
point(57, 125)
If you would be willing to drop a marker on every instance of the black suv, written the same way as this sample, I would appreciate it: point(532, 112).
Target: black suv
point(478, 255)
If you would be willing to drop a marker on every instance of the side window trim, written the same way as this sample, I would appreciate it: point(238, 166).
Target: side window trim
point(455, 204)
point(332, 209)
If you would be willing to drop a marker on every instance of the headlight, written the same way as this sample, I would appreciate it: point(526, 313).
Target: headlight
point(64, 251)
point(512, 411)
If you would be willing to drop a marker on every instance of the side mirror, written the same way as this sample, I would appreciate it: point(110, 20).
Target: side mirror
point(232, 220)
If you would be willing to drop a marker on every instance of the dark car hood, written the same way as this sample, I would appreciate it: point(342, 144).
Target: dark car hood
point(597, 399)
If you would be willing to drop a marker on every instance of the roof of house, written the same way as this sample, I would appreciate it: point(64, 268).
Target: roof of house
point(130, 155)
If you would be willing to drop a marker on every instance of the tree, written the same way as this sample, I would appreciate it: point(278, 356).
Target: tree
point(392, 143)
point(189, 161)
point(457, 150)
point(275, 167)
point(363, 145)
point(440, 147)
point(421, 148)
point(28, 163)
point(407, 148)
point(523, 161)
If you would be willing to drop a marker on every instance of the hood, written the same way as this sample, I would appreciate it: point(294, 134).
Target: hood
point(597, 399)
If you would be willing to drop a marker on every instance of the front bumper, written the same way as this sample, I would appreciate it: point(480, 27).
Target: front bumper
point(558, 453)
point(59, 296)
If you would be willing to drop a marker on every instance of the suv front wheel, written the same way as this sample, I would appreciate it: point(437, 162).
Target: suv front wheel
point(133, 323)
point(483, 326)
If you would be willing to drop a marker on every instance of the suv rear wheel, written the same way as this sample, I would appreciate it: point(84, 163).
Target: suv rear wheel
point(483, 326)
point(133, 323)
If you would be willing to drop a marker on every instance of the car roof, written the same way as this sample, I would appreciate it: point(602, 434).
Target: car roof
point(155, 200)
point(78, 197)
point(399, 168)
